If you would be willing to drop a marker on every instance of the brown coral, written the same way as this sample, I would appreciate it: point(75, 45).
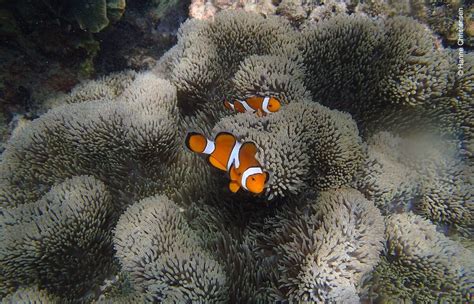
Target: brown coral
point(120, 141)
point(62, 243)
point(162, 254)
point(424, 173)
point(421, 264)
point(392, 67)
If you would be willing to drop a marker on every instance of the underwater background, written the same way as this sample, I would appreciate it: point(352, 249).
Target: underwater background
point(370, 157)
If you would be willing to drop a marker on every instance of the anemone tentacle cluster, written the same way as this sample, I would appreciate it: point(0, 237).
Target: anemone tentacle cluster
point(102, 186)
point(157, 247)
point(422, 264)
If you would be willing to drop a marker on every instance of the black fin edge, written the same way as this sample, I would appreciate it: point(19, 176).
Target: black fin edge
point(188, 136)
point(267, 178)
point(225, 133)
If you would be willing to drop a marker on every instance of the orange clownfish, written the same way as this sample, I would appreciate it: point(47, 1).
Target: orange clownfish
point(227, 154)
point(260, 105)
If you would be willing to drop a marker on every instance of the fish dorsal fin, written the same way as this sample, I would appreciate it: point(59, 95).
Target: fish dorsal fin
point(214, 162)
point(249, 149)
point(225, 139)
point(224, 143)
point(255, 102)
point(234, 186)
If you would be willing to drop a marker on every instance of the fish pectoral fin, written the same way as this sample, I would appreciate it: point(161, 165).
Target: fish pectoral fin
point(260, 113)
point(214, 162)
point(234, 186)
point(233, 173)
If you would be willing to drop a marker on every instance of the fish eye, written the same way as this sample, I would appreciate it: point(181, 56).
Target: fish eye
point(253, 178)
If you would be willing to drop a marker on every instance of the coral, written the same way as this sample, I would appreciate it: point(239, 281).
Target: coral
point(121, 141)
point(293, 10)
point(90, 15)
point(395, 73)
point(309, 238)
point(421, 265)
point(41, 55)
point(3, 131)
point(162, 254)
point(304, 145)
point(62, 242)
point(392, 66)
point(440, 16)
point(120, 290)
point(201, 9)
point(394, 76)
point(271, 75)
point(30, 295)
point(318, 252)
point(446, 193)
point(325, 10)
point(298, 12)
point(383, 179)
point(324, 255)
point(106, 87)
point(425, 174)
point(460, 95)
point(209, 54)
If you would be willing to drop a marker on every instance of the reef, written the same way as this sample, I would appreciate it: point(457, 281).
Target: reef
point(320, 150)
point(421, 265)
point(440, 16)
point(101, 201)
point(422, 174)
point(29, 295)
point(323, 252)
point(62, 242)
point(104, 138)
point(157, 247)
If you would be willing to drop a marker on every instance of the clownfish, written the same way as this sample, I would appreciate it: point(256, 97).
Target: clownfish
point(227, 154)
point(260, 105)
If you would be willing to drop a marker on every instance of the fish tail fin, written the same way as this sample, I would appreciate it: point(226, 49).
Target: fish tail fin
point(196, 142)
point(228, 105)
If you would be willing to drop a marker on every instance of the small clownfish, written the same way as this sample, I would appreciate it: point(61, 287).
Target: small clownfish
point(260, 105)
point(227, 154)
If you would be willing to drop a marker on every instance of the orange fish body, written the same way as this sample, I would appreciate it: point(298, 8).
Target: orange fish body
point(227, 154)
point(256, 104)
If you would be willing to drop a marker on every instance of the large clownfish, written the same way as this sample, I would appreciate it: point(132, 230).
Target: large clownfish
point(227, 154)
point(260, 105)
